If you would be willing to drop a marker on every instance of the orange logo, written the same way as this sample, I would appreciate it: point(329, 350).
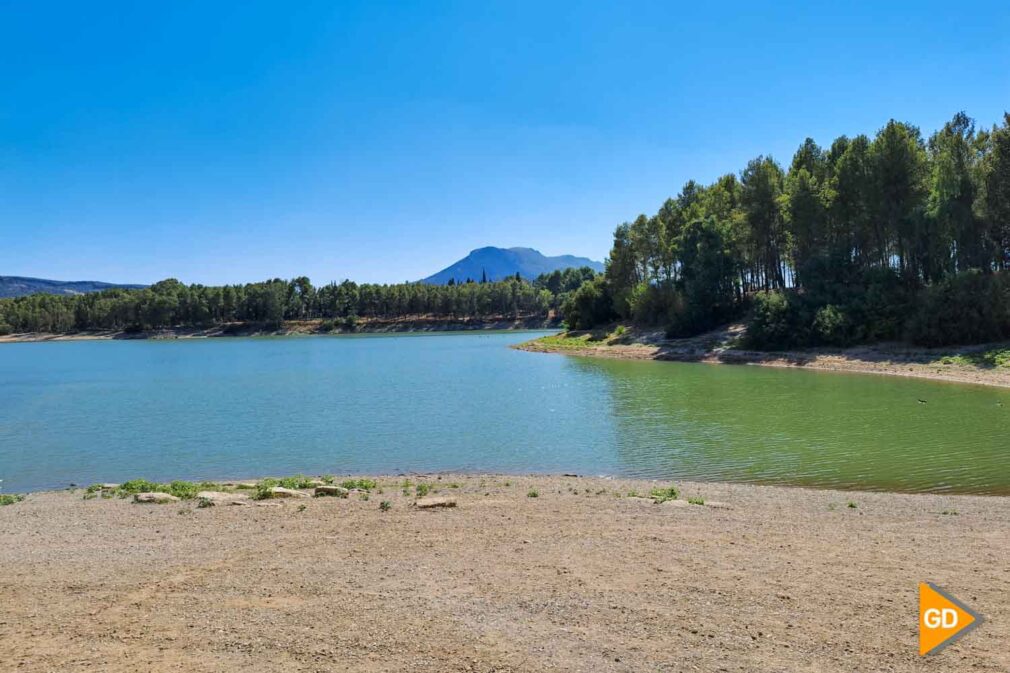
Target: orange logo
point(942, 619)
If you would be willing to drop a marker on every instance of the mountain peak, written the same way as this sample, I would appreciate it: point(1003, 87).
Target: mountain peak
point(498, 263)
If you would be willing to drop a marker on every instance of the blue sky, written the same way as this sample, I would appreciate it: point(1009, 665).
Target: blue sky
point(231, 142)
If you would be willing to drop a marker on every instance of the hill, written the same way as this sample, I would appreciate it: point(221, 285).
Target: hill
point(499, 263)
point(19, 286)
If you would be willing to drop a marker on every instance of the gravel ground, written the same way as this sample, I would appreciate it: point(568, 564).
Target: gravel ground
point(576, 579)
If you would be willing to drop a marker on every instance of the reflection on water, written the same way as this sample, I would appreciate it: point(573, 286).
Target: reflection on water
point(106, 411)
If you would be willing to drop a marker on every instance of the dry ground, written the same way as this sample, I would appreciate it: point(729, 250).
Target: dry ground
point(576, 579)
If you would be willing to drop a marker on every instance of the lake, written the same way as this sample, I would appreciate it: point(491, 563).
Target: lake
point(90, 411)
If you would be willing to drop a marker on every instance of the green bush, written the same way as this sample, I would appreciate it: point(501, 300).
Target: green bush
point(589, 306)
point(776, 323)
point(661, 495)
point(10, 498)
point(832, 327)
point(970, 307)
point(363, 484)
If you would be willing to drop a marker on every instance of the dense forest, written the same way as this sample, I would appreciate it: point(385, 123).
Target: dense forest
point(885, 238)
point(170, 303)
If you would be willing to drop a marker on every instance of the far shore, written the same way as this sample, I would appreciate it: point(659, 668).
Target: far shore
point(298, 328)
point(524, 573)
point(981, 365)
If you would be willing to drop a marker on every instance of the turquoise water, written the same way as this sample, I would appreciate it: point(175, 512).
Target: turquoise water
point(91, 411)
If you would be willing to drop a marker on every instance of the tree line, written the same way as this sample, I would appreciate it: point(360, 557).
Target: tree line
point(170, 303)
point(891, 237)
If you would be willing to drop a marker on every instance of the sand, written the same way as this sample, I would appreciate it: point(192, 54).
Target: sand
point(577, 579)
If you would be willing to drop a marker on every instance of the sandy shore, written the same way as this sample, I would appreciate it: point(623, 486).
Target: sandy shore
point(957, 365)
point(577, 579)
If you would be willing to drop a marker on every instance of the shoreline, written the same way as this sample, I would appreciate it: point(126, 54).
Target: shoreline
point(950, 365)
point(293, 328)
point(569, 573)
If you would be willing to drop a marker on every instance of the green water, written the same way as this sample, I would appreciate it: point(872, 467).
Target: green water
point(112, 410)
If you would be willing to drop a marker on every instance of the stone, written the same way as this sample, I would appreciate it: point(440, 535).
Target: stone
point(220, 497)
point(430, 502)
point(316, 483)
point(330, 489)
point(156, 498)
point(109, 487)
point(281, 492)
point(677, 503)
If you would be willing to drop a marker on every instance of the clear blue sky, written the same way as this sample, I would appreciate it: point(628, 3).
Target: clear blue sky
point(382, 141)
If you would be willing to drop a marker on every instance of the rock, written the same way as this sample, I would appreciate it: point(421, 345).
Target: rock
point(156, 498)
point(281, 492)
point(718, 505)
point(677, 503)
point(109, 487)
point(244, 503)
point(315, 483)
point(220, 497)
point(430, 502)
point(329, 489)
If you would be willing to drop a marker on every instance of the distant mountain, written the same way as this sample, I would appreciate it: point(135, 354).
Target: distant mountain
point(498, 263)
point(18, 286)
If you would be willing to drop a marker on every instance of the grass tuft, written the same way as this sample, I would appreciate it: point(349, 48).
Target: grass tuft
point(661, 495)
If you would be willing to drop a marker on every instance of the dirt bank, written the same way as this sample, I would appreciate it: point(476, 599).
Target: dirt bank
point(982, 365)
point(576, 579)
point(299, 328)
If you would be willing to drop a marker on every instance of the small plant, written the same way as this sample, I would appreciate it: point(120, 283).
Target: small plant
point(632, 493)
point(302, 508)
point(263, 489)
point(661, 495)
point(361, 484)
point(364, 496)
point(10, 498)
point(297, 481)
point(851, 505)
point(507, 484)
point(385, 506)
point(620, 331)
point(204, 503)
point(949, 512)
point(422, 490)
point(832, 507)
point(453, 485)
point(696, 501)
point(533, 493)
point(602, 491)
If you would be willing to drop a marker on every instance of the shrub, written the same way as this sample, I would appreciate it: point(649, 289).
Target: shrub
point(588, 306)
point(385, 506)
point(422, 490)
point(775, 323)
point(832, 327)
point(970, 307)
point(10, 498)
point(363, 484)
point(533, 493)
point(660, 495)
